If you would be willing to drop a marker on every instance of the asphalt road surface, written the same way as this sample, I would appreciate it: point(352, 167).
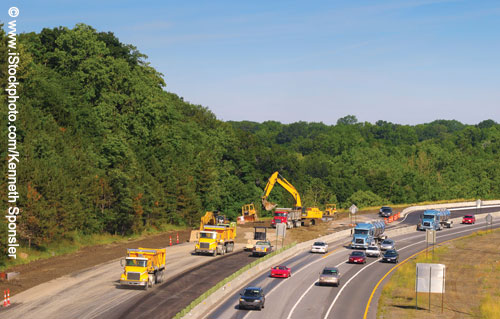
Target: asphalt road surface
point(301, 297)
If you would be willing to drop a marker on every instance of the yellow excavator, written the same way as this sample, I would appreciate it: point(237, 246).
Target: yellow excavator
point(276, 177)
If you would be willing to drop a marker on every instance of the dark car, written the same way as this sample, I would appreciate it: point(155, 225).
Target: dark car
point(385, 211)
point(252, 297)
point(357, 257)
point(391, 256)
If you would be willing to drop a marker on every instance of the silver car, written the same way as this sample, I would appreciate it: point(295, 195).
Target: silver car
point(373, 251)
point(387, 244)
point(329, 276)
point(319, 247)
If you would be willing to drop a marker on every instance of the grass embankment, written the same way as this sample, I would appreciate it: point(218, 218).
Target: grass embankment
point(75, 242)
point(472, 282)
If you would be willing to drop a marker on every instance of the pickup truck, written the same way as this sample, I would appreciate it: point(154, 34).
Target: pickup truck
point(262, 248)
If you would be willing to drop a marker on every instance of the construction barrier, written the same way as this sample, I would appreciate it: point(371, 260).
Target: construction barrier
point(391, 219)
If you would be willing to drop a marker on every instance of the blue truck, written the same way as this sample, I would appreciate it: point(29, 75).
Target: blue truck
point(366, 234)
point(435, 220)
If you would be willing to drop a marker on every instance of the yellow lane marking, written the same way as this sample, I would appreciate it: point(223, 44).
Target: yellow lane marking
point(399, 264)
point(326, 255)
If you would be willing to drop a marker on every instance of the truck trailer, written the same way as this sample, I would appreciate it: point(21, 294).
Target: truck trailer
point(435, 220)
point(366, 234)
point(144, 267)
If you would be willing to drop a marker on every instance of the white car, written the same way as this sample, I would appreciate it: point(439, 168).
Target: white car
point(373, 251)
point(319, 247)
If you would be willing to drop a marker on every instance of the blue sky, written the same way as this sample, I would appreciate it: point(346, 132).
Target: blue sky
point(407, 62)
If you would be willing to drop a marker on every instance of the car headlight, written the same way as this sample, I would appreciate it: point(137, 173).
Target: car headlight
point(241, 299)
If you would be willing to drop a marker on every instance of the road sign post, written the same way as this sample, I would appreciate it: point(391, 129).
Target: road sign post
point(489, 221)
point(280, 232)
point(430, 238)
point(478, 205)
point(353, 210)
point(430, 278)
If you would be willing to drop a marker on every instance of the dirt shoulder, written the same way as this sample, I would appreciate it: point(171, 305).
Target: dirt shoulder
point(44, 270)
point(472, 282)
point(41, 271)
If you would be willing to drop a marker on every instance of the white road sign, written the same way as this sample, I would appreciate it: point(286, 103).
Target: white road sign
point(430, 278)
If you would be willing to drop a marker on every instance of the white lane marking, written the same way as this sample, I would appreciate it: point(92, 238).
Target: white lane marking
point(345, 285)
point(298, 271)
point(303, 295)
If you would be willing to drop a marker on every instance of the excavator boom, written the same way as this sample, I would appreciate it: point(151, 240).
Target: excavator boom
point(276, 177)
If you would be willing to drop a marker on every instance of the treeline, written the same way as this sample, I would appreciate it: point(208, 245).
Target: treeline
point(104, 148)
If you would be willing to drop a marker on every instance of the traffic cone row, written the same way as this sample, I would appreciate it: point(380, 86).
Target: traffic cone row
point(6, 298)
point(392, 218)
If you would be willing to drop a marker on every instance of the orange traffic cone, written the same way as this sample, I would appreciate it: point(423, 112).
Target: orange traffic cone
point(170, 241)
point(8, 297)
point(177, 241)
point(5, 298)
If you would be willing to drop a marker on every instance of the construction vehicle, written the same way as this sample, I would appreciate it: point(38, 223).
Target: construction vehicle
point(330, 210)
point(366, 234)
point(144, 267)
point(295, 216)
point(435, 219)
point(210, 218)
point(290, 217)
point(216, 239)
point(259, 233)
point(312, 213)
point(249, 213)
point(276, 177)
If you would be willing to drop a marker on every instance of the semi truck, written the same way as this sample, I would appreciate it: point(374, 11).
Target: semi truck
point(435, 219)
point(366, 234)
point(143, 267)
point(216, 239)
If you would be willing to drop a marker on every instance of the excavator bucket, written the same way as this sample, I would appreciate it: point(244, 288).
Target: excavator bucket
point(268, 205)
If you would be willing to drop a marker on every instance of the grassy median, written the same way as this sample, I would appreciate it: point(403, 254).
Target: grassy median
point(472, 282)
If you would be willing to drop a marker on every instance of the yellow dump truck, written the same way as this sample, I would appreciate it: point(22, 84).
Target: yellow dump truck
point(216, 239)
point(143, 267)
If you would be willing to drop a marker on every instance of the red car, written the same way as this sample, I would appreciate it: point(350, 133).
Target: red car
point(281, 271)
point(357, 257)
point(469, 219)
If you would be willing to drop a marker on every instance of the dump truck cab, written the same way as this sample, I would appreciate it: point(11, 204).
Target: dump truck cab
point(217, 239)
point(143, 267)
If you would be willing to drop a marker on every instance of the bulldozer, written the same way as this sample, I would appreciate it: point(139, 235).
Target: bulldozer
point(249, 213)
point(330, 210)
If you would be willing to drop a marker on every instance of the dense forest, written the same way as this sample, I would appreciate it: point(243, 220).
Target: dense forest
point(105, 148)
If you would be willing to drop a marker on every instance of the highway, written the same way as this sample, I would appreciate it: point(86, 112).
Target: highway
point(94, 292)
point(301, 297)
